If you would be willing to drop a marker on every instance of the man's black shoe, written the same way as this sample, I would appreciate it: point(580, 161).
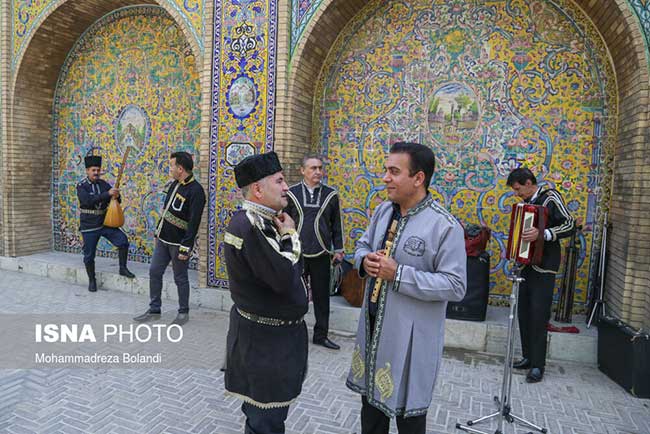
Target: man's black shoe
point(181, 319)
point(521, 364)
point(147, 316)
point(327, 343)
point(535, 375)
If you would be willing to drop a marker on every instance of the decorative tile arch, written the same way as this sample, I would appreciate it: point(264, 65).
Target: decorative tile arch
point(28, 16)
point(28, 140)
point(626, 44)
point(130, 81)
point(488, 88)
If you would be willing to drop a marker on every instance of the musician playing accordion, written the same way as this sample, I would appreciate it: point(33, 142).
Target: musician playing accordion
point(536, 291)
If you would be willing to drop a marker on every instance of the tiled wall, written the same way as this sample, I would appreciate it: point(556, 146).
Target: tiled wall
point(130, 82)
point(243, 107)
point(28, 15)
point(488, 87)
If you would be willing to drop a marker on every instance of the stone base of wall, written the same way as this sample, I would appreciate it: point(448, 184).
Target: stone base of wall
point(488, 337)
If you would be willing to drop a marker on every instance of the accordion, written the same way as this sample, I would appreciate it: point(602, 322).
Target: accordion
point(524, 216)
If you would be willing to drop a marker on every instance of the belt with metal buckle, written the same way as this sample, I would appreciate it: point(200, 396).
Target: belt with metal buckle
point(276, 322)
point(93, 211)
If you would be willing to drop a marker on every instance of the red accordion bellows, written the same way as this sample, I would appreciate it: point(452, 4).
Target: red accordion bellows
point(524, 216)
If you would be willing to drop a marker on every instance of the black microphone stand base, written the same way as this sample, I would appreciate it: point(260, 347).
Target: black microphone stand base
point(504, 413)
point(507, 415)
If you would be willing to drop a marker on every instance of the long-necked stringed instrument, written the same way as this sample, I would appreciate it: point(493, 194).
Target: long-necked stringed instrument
point(114, 214)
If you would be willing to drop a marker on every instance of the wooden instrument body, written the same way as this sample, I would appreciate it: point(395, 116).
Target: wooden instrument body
point(352, 288)
point(114, 214)
point(387, 252)
point(524, 216)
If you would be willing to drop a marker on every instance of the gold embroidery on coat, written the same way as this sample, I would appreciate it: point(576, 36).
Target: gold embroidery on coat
point(384, 382)
point(358, 365)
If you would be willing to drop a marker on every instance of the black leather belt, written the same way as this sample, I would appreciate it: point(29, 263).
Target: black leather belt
point(275, 322)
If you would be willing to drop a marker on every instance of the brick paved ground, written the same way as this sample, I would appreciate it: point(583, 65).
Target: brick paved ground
point(572, 399)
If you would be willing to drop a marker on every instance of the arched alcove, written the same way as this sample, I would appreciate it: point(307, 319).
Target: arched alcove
point(627, 201)
point(130, 82)
point(28, 159)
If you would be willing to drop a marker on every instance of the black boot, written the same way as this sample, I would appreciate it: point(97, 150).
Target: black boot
point(123, 255)
point(92, 283)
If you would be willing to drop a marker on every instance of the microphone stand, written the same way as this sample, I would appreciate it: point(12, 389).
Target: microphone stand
point(598, 310)
point(504, 411)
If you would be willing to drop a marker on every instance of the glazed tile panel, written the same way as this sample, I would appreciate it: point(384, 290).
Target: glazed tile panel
point(489, 86)
point(243, 92)
point(302, 11)
point(129, 82)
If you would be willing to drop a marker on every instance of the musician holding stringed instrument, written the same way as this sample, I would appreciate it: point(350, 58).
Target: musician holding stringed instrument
point(414, 253)
point(536, 291)
point(94, 196)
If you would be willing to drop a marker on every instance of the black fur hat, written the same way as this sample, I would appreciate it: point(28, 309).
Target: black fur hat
point(256, 167)
point(93, 161)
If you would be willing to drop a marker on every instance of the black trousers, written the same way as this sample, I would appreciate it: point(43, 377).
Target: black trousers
point(318, 270)
point(163, 254)
point(534, 311)
point(373, 421)
point(264, 421)
point(91, 239)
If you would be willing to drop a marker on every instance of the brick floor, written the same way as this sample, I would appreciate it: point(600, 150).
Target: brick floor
point(572, 399)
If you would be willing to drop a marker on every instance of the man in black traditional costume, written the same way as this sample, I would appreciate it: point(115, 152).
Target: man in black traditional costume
point(315, 208)
point(536, 291)
point(267, 337)
point(94, 196)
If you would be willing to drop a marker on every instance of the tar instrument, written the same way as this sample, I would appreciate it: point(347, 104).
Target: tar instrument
point(114, 214)
point(387, 252)
point(525, 216)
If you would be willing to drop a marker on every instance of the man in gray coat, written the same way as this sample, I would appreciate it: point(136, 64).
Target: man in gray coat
point(400, 335)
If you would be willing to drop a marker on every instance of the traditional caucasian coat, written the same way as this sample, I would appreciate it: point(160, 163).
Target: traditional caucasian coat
point(396, 370)
point(266, 364)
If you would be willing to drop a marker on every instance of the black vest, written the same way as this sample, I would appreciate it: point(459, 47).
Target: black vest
point(317, 217)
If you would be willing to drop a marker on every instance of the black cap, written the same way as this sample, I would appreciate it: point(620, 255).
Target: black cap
point(256, 167)
point(93, 161)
